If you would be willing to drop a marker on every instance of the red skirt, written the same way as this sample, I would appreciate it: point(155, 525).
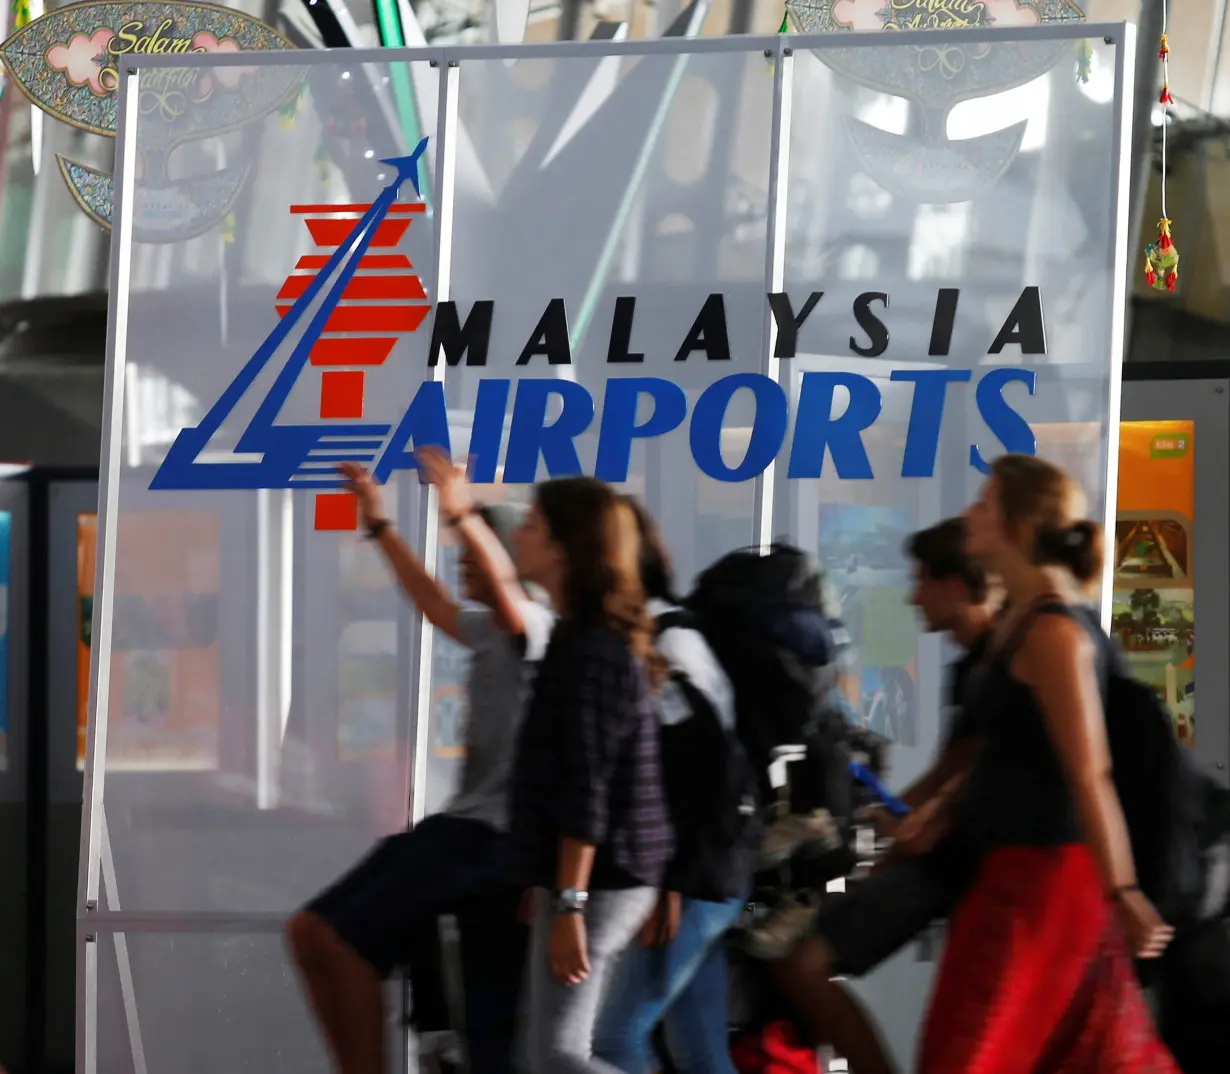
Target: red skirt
point(1036, 977)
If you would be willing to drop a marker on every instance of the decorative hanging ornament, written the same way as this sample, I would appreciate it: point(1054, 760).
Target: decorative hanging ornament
point(1162, 260)
point(1163, 54)
point(784, 28)
point(1161, 256)
point(324, 165)
point(1084, 61)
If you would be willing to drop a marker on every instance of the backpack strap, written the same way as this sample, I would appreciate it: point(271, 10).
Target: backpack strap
point(1005, 650)
point(674, 619)
point(1051, 604)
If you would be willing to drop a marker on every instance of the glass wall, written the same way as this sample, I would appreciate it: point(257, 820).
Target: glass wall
point(48, 246)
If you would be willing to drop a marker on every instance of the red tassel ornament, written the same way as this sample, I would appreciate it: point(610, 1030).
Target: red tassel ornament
point(1162, 260)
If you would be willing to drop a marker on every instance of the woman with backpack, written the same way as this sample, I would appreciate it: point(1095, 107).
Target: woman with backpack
point(590, 832)
point(1037, 974)
point(676, 975)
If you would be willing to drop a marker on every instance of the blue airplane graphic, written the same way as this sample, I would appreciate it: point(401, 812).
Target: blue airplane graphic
point(294, 456)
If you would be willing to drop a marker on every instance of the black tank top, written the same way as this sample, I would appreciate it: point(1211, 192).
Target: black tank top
point(1017, 794)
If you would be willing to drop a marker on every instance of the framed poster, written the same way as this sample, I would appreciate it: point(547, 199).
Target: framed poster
point(6, 527)
point(1154, 597)
point(164, 702)
point(87, 539)
point(862, 547)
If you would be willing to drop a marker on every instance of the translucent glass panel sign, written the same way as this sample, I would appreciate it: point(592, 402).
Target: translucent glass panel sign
point(861, 270)
point(258, 738)
point(948, 215)
point(803, 293)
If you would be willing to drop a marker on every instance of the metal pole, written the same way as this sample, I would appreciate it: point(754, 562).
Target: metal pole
point(569, 20)
point(1148, 31)
point(740, 17)
point(775, 259)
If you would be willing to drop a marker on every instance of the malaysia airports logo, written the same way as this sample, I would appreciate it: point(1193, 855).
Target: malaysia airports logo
point(385, 303)
point(344, 323)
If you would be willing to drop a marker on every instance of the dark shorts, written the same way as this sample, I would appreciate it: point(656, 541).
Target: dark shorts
point(873, 921)
point(380, 907)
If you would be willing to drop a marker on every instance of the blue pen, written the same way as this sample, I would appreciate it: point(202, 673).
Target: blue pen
point(870, 780)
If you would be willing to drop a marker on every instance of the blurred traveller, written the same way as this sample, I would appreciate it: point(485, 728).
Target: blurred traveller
point(676, 975)
point(922, 877)
point(1037, 974)
point(591, 835)
point(351, 936)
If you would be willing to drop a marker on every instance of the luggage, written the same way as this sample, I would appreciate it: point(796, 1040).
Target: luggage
point(712, 790)
point(775, 1049)
point(763, 616)
point(1162, 794)
point(1194, 997)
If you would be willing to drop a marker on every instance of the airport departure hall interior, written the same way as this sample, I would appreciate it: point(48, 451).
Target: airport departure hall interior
point(614, 536)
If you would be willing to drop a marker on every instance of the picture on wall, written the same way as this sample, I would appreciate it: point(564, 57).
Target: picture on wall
point(367, 691)
point(367, 667)
point(6, 526)
point(1150, 549)
point(1156, 629)
point(862, 550)
point(87, 536)
point(450, 707)
point(164, 702)
point(1153, 609)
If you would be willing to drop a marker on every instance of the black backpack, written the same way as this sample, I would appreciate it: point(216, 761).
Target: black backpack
point(1194, 980)
point(763, 616)
point(712, 792)
point(1160, 793)
point(1159, 789)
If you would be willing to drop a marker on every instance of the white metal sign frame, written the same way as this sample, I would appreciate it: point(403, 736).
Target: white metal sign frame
point(99, 904)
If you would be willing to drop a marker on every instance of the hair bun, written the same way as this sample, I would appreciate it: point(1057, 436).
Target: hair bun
point(1077, 547)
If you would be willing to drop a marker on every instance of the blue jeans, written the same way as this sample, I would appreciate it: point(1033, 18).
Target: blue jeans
point(683, 986)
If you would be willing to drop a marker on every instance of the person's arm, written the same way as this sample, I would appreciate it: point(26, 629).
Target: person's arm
point(576, 862)
point(494, 564)
point(1057, 661)
point(431, 598)
point(491, 560)
point(949, 770)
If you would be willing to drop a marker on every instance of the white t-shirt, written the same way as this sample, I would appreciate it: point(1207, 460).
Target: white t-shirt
point(501, 671)
point(687, 653)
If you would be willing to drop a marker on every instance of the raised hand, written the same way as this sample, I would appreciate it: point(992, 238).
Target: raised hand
point(371, 503)
point(438, 469)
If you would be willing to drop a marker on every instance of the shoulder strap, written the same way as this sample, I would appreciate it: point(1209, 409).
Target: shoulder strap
point(1047, 604)
point(675, 618)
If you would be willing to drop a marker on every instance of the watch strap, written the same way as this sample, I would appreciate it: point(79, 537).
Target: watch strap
point(570, 901)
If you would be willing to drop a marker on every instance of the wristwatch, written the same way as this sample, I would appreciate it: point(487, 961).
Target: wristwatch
point(570, 901)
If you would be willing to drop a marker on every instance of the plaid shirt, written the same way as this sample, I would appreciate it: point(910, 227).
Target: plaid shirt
point(587, 766)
